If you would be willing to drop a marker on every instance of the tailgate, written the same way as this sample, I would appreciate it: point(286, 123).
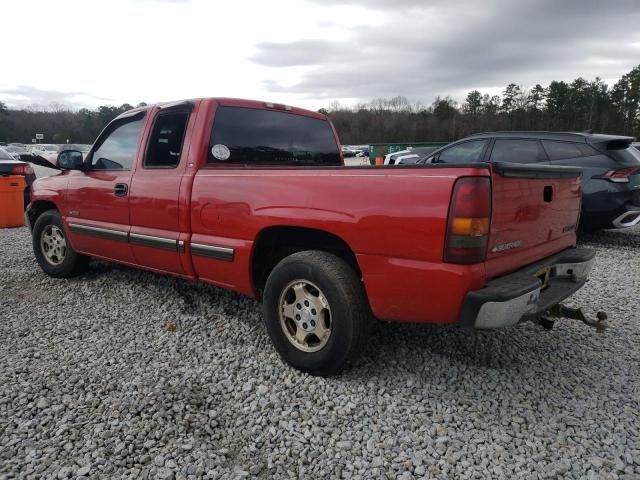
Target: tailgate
point(535, 210)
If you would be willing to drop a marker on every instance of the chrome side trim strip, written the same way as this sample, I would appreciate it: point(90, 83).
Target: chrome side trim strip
point(152, 241)
point(198, 249)
point(210, 251)
point(106, 233)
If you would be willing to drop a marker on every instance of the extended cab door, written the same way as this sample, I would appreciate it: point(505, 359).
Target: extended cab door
point(157, 234)
point(98, 196)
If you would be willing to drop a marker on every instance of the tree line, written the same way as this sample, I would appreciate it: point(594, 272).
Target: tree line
point(580, 105)
point(58, 124)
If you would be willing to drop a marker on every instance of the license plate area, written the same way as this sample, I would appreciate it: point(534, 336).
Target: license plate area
point(543, 275)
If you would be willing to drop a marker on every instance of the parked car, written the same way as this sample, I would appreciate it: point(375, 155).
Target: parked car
point(363, 150)
point(348, 152)
point(50, 152)
point(10, 166)
point(83, 147)
point(44, 148)
point(256, 202)
point(18, 153)
point(408, 156)
point(611, 166)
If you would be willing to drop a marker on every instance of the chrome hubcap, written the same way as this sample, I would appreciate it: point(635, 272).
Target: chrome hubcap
point(305, 316)
point(53, 245)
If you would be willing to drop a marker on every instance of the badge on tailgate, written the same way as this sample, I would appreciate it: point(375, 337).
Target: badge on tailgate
point(506, 246)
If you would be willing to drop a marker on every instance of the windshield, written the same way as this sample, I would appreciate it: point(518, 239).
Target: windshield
point(14, 149)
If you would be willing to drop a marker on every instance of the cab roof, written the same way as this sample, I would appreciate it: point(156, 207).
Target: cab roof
point(228, 102)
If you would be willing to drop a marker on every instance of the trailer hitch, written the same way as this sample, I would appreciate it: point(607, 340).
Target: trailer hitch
point(561, 311)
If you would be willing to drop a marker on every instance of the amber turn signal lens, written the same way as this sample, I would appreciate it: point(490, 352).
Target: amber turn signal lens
point(473, 227)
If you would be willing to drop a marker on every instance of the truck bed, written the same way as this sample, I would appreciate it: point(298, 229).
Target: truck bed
point(394, 220)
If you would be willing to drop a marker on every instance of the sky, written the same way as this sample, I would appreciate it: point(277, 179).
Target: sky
point(307, 53)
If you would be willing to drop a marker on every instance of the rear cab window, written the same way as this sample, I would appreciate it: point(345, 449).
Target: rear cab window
point(244, 136)
point(517, 151)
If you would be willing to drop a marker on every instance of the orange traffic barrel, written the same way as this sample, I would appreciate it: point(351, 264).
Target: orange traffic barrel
point(12, 201)
point(379, 160)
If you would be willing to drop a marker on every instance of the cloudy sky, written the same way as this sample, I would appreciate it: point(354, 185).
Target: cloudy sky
point(304, 52)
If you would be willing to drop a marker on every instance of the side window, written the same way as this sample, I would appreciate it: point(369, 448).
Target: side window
point(467, 152)
point(249, 136)
point(562, 150)
point(118, 150)
point(517, 151)
point(165, 142)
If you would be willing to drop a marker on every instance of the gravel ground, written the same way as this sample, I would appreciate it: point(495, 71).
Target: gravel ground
point(96, 382)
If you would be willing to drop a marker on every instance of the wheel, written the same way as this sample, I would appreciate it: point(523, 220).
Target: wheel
point(316, 312)
point(52, 250)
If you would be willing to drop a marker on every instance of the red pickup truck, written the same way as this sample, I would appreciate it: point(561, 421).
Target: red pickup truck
point(254, 197)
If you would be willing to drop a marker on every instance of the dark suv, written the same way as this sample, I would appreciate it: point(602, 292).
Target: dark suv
point(610, 164)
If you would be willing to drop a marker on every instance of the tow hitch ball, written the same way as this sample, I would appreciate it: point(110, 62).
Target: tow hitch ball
point(560, 311)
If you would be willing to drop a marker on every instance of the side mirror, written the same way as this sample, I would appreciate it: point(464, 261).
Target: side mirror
point(70, 160)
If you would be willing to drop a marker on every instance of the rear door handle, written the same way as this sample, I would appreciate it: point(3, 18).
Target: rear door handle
point(120, 190)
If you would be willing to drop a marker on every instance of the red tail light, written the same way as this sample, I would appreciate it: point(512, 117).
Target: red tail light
point(621, 175)
point(22, 170)
point(468, 222)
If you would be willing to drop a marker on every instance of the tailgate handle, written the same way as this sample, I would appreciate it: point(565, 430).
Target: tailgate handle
point(548, 193)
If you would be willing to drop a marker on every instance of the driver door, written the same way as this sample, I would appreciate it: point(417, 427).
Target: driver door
point(97, 219)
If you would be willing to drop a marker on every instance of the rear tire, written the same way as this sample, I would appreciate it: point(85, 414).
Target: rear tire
point(52, 249)
point(316, 312)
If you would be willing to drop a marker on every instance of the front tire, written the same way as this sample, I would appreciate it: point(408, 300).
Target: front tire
point(316, 312)
point(52, 249)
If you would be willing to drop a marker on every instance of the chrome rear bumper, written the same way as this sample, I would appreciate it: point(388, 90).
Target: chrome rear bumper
point(527, 293)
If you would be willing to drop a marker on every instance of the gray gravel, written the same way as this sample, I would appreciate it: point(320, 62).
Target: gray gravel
point(95, 382)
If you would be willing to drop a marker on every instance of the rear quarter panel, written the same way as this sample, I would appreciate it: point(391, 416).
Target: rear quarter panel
point(393, 219)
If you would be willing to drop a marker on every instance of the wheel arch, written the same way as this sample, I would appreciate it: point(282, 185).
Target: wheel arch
point(274, 243)
point(37, 208)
